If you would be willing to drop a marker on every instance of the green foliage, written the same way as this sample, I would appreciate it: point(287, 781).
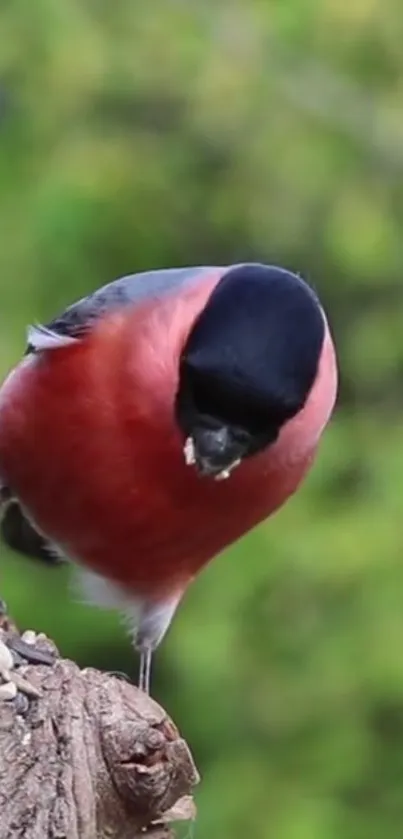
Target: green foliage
point(147, 134)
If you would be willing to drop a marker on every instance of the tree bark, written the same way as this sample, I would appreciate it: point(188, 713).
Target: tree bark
point(85, 754)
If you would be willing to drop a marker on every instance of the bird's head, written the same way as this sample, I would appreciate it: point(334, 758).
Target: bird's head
point(248, 365)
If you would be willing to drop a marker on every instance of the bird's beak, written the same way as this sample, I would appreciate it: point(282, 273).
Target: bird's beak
point(214, 452)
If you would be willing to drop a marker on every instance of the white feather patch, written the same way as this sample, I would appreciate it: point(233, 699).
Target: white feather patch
point(41, 338)
point(96, 590)
point(147, 620)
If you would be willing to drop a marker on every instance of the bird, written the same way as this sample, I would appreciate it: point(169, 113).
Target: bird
point(155, 422)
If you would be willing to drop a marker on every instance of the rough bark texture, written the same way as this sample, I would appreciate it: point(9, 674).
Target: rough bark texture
point(91, 757)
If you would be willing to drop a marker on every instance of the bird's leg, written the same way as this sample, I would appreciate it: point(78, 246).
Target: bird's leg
point(146, 654)
point(150, 619)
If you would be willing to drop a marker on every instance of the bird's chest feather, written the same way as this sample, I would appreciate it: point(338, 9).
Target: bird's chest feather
point(89, 444)
point(105, 477)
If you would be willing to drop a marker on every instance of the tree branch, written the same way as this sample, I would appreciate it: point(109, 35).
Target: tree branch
point(84, 754)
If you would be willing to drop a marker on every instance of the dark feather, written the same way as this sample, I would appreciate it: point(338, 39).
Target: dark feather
point(19, 534)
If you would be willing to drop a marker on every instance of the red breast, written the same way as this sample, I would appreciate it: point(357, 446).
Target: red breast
point(89, 443)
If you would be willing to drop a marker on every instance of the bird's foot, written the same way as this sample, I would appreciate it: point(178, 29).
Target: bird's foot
point(118, 674)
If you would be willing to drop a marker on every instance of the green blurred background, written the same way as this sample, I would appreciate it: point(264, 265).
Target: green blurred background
point(148, 134)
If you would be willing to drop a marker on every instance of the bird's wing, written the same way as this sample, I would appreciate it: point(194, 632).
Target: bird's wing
point(20, 535)
point(78, 318)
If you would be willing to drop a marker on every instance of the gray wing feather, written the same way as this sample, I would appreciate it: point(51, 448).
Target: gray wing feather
point(78, 318)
